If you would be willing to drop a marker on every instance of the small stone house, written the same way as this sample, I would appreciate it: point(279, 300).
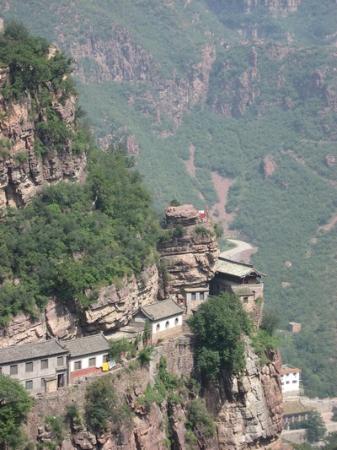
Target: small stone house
point(241, 279)
point(165, 318)
point(40, 366)
point(86, 355)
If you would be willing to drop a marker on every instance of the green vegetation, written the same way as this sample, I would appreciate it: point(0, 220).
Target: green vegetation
point(103, 407)
point(166, 387)
point(15, 404)
point(73, 239)
point(314, 425)
point(144, 356)
point(286, 111)
point(199, 419)
point(121, 348)
point(219, 326)
point(56, 426)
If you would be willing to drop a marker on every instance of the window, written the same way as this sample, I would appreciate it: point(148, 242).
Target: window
point(106, 358)
point(60, 361)
point(294, 381)
point(287, 382)
point(44, 363)
point(167, 324)
point(92, 362)
point(202, 296)
point(176, 321)
point(158, 326)
point(29, 384)
point(245, 299)
point(29, 366)
point(194, 296)
point(13, 370)
point(78, 365)
point(0, 370)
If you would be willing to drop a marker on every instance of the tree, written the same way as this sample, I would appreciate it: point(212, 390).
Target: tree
point(218, 326)
point(270, 322)
point(147, 332)
point(15, 404)
point(315, 427)
point(103, 405)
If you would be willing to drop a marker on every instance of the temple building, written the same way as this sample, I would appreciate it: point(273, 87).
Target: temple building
point(241, 279)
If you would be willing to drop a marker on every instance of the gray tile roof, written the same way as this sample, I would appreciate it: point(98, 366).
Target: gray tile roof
point(235, 269)
point(87, 345)
point(34, 350)
point(161, 310)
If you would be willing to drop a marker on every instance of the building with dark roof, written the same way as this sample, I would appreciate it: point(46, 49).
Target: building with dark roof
point(87, 355)
point(165, 318)
point(40, 366)
point(242, 280)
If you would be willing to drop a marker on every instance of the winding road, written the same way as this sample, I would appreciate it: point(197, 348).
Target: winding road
point(242, 251)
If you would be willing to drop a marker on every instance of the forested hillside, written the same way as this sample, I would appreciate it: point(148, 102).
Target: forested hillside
point(73, 238)
point(246, 90)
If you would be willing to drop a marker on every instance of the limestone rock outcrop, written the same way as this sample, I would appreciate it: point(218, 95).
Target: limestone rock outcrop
point(116, 305)
point(189, 252)
point(23, 172)
point(250, 416)
point(114, 308)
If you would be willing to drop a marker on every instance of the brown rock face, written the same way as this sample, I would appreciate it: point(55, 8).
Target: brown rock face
point(188, 257)
point(114, 308)
point(116, 305)
point(247, 410)
point(249, 414)
point(22, 171)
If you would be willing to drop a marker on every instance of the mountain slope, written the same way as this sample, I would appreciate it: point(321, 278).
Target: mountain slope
point(245, 89)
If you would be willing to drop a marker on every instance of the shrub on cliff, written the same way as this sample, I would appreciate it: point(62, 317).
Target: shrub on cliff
point(14, 406)
point(103, 407)
point(218, 326)
point(28, 62)
point(74, 238)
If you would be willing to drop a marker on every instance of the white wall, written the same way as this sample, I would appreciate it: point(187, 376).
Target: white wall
point(197, 296)
point(290, 382)
point(85, 361)
point(171, 324)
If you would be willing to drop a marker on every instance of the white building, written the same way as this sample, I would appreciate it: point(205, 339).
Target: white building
point(87, 355)
point(165, 318)
point(290, 381)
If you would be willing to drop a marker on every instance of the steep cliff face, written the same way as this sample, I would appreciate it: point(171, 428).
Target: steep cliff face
point(23, 171)
point(115, 307)
point(247, 410)
point(250, 414)
point(189, 252)
point(121, 59)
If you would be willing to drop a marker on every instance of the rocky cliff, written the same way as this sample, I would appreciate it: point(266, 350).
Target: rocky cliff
point(246, 411)
point(23, 171)
point(188, 250)
point(114, 307)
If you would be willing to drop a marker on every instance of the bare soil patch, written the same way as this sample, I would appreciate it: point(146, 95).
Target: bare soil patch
point(218, 211)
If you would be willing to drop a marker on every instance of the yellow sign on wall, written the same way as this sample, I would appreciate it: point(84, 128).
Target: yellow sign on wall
point(105, 367)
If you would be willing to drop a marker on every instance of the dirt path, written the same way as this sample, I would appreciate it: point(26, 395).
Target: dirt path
point(242, 251)
point(218, 211)
point(190, 165)
point(329, 225)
